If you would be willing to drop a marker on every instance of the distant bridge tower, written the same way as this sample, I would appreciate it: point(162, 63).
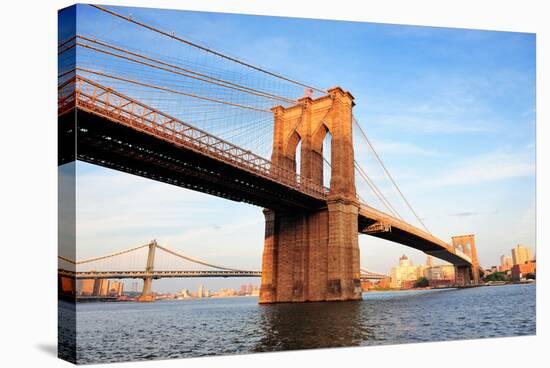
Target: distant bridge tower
point(467, 275)
point(314, 255)
point(147, 294)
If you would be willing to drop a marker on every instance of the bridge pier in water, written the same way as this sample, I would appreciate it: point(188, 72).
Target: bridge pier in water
point(313, 254)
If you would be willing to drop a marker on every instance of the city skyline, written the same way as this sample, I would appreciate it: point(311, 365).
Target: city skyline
point(432, 269)
point(456, 123)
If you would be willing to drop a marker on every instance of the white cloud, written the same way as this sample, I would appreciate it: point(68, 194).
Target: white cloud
point(492, 166)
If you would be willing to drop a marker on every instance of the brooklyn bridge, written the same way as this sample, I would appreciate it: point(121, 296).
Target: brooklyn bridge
point(213, 123)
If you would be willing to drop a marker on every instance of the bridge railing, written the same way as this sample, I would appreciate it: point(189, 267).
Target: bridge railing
point(91, 96)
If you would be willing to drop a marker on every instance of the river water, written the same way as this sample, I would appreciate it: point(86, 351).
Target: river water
point(112, 332)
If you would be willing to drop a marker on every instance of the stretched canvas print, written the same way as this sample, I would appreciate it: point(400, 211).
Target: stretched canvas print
point(233, 184)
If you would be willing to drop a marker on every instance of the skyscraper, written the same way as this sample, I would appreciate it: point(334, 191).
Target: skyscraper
point(506, 261)
point(429, 261)
point(203, 292)
point(521, 254)
point(115, 288)
point(86, 287)
point(101, 287)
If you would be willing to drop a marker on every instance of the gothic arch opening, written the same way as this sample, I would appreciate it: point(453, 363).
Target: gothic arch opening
point(298, 158)
point(321, 144)
point(292, 152)
point(327, 159)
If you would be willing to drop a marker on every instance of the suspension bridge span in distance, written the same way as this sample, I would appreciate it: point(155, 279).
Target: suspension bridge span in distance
point(192, 125)
point(152, 261)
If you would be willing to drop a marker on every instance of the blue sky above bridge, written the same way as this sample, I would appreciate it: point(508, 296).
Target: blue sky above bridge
point(451, 111)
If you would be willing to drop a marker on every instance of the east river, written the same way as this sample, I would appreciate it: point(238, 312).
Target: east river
point(113, 332)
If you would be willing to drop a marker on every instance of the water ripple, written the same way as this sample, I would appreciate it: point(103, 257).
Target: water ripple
point(114, 332)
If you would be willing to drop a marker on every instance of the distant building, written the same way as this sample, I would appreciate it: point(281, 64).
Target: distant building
point(116, 288)
point(406, 271)
point(491, 270)
point(429, 261)
point(440, 275)
point(521, 254)
point(184, 294)
point(247, 289)
point(101, 287)
point(408, 284)
point(366, 285)
point(255, 291)
point(86, 287)
point(506, 263)
point(506, 260)
point(227, 292)
point(203, 292)
point(504, 268)
point(384, 283)
point(67, 285)
point(440, 272)
point(520, 271)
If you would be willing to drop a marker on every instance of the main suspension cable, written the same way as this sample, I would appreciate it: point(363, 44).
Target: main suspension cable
point(185, 72)
point(171, 90)
point(203, 48)
point(75, 262)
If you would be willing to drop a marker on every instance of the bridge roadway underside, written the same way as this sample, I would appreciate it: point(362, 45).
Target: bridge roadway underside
point(412, 240)
point(105, 143)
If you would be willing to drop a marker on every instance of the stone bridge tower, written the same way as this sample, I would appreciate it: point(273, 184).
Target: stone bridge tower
point(314, 255)
point(467, 275)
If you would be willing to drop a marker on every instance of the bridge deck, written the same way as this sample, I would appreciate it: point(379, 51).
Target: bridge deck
point(112, 130)
point(103, 127)
point(384, 226)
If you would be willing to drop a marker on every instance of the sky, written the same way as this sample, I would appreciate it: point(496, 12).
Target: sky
point(451, 112)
